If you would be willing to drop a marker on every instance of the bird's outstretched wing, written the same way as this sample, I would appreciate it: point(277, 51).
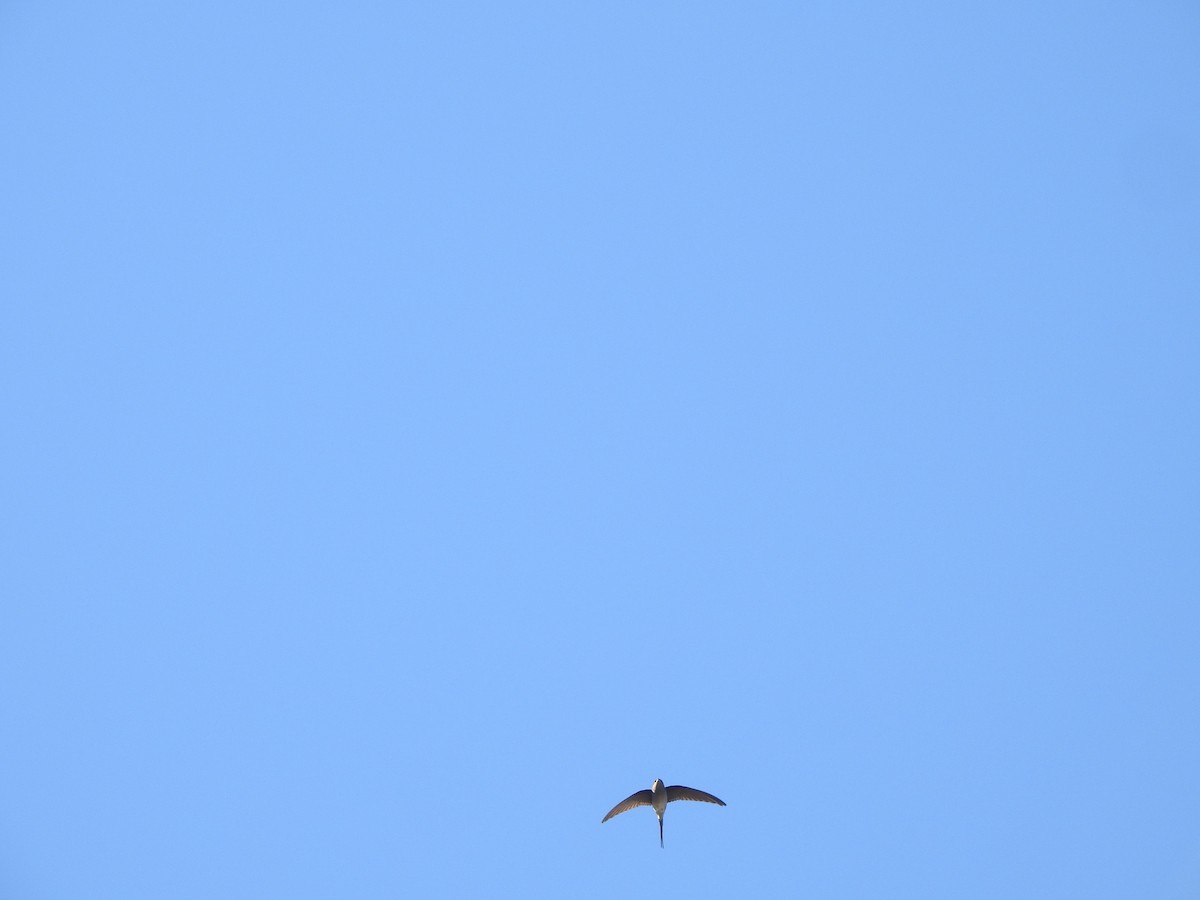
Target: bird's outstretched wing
point(679, 792)
point(641, 798)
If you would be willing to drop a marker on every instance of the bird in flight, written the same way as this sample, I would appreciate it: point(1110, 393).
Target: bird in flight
point(659, 796)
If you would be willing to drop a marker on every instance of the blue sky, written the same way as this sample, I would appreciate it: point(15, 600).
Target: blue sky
point(428, 424)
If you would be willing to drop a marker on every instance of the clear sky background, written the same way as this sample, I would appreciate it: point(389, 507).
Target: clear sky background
point(425, 424)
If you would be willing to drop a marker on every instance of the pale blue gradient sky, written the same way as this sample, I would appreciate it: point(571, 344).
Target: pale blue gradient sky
point(427, 424)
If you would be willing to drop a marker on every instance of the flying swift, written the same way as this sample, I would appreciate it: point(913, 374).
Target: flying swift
point(658, 797)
